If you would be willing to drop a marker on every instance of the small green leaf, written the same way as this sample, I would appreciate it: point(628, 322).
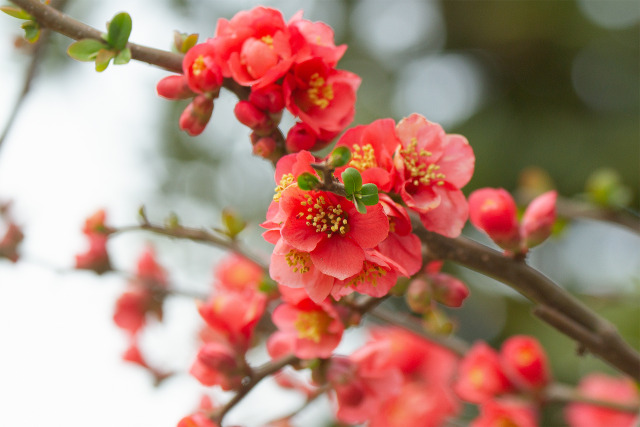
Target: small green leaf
point(16, 12)
point(352, 181)
point(119, 31)
point(232, 222)
point(31, 31)
point(339, 157)
point(369, 194)
point(307, 181)
point(85, 49)
point(360, 207)
point(103, 58)
point(182, 42)
point(172, 222)
point(123, 57)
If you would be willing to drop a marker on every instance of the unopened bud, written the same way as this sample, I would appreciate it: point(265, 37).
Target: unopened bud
point(525, 362)
point(339, 157)
point(493, 211)
point(195, 117)
point(252, 117)
point(448, 290)
point(264, 147)
point(300, 137)
point(268, 98)
point(418, 296)
point(174, 87)
point(538, 219)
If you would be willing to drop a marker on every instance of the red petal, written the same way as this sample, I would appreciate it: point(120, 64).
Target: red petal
point(338, 257)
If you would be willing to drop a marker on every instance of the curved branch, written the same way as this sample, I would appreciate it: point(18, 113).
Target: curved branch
point(555, 305)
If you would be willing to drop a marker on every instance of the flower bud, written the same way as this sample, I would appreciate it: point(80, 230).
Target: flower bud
point(493, 211)
point(300, 137)
point(264, 147)
point(268, 98)
point(418, 296)
point(538, 219)
point(252, 117)
point(195, 117)
point(200, 69)
point(525, 362)
point(217, 364)
point(448, 290)
point(174, 87)
point(9, 243)
point(96, 258)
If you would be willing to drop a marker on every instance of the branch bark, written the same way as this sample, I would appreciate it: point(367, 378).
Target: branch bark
point(554, 305)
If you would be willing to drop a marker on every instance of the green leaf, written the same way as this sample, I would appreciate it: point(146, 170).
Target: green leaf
point(103, 58)
point(339, 157)
point(369, 194)
point(360, 207)
point(182, 42)
point(307, 181)
point(16, 12)
point(352, 181)
point(123, 57)
point(85, 49)
point(232, 222)
point(119, 31)
point(31, 31)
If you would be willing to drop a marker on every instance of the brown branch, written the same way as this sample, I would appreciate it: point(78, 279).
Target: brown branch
point(256, 376)
point(59, 22)
point(196, 235)
point(555, 305)
point(566, 394)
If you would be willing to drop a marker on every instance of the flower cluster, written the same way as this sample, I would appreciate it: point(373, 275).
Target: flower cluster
point(322, 242)
point(288, 65)
point(500, 382)
point(231, 315)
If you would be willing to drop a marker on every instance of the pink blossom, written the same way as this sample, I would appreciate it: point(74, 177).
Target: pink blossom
point(525, 362)
point(372, 147)
point(202, 72)
point(323, 97)
point(432, 167)
point(331, 230)
point(174, 87)
point(314, 39)
point(506, 413)
point(480, 377)
point(218, 364)
point(236, 273)
point(538, 219)
point(605, 388)
point(314, 329)
point(494, 211)
point(377, 276)
point(96, 258)
point(254, 47)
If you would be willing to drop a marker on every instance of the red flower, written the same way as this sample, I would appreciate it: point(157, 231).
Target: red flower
point(525, 362)
point(432, 167)
point(314, 39)
point(314, 329)
point(96, 258)
point(331, 230)
point(253, 47)
point(218, 364)
point(377, 276)
point(203, 74)
point(323, 97)
point(480, 377)
point(507, 413)
point(372, 147)
point(494, 211)
point(236, 273)
point(605, 388)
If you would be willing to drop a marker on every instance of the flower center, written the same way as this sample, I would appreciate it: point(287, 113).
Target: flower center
point(286, 180)
point(298, 261)
point(370, 274)
point(312, 324)
point(363, 157)
point(419, 171)
point(319, 93)
point(325, 218)
point(476, 376)
point(268, 40)
point(198, 66)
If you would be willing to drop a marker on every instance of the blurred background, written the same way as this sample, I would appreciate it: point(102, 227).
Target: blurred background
point(550, 88)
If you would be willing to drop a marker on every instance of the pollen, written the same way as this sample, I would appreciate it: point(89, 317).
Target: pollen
point(312, 325)
point(268, 40)
point(370, 274)
point(298, 261)
point(363, 157)
point(198, 66)
point(285, 181)
point(324, 217)
point(319, 93)
point(420, 172)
